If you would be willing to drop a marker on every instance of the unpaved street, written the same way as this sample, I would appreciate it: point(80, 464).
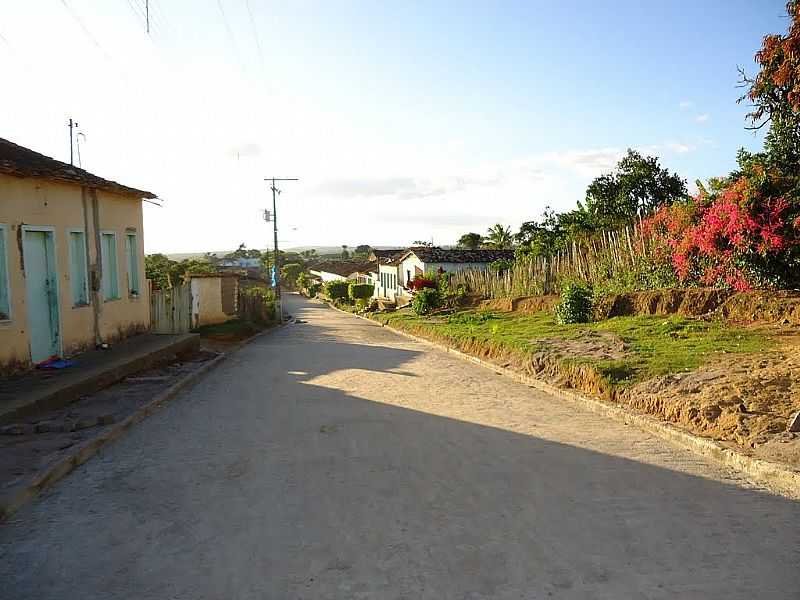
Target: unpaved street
point(334, 459)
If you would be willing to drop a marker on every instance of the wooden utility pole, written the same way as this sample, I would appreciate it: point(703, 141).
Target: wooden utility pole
point(72, 125)
point(276, 263)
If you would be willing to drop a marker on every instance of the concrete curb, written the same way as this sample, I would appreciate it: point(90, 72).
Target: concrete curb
point(17, 496)
point(775, 476)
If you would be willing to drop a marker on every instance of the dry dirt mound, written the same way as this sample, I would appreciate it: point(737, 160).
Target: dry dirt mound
point(745, 307)
point(523, 304)
point(597, 345)
point(746, 400)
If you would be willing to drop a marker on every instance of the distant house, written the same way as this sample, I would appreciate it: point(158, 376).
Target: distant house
point(71, 259)
point(398, 270)
point(334, 270)
point(239, 263)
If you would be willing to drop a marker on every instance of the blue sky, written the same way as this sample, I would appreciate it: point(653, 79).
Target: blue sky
point(405, 121)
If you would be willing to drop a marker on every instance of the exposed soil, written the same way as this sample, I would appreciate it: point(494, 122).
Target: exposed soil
point(748, 400)
point(745, 307)
point(597, 345)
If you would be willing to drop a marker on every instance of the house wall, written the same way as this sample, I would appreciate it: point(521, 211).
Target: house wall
point(381, 289)
point(207, 301)
point(36, 202)
point(325, 276)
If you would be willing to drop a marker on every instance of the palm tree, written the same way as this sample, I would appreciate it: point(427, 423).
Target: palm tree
point(498, 237)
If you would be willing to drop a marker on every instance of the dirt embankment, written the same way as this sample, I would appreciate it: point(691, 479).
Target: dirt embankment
point(782, 307)
point(746, 401)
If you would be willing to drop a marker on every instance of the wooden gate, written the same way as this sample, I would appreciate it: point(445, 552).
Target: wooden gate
point(171, 310)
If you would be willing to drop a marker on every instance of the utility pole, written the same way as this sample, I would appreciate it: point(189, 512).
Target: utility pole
point(72, 125)
point(276, 264)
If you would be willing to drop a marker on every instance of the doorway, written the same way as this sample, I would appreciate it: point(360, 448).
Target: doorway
point(41, 283)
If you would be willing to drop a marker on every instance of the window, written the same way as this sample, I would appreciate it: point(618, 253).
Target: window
point(5, 296)
point(132, 262)
point(108, 257)
point(77, 268)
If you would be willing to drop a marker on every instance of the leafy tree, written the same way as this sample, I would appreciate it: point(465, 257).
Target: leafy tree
point(345, 254)
point(362, 250)
point(309, 254)
point(156, 269)
point(470, 241)
point(243, 252)
point(637, 187)
point(422, 244)
point(499, 237)
point(775, 90)
point(290, 272)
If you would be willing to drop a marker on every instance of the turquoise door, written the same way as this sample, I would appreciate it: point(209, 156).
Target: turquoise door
point(42, 294)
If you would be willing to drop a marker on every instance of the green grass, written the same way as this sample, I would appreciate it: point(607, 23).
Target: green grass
point(657, 345)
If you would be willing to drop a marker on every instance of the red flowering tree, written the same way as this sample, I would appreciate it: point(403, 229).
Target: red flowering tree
point(744, 234)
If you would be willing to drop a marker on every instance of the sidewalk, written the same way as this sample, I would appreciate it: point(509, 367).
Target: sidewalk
point(41, 390)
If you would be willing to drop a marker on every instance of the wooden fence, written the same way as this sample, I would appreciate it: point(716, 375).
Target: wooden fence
point(606, 257)
point(171, 310)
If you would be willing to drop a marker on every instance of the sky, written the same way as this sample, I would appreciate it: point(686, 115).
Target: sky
point(403, 121)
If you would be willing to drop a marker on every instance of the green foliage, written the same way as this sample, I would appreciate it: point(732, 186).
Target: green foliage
point(470, 241)
point(290, 272)
point(501, 265)
point(303, 280)
point(426, 300)
point(637, 187)
point(337, 290)
point(166, 273)
point(313, 289)
point(575, 305)
point(362, 250)
point(244, 252)
point(499, 237)
point(360, 291)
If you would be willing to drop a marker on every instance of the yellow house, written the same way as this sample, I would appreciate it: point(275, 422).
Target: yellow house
point(71, 259)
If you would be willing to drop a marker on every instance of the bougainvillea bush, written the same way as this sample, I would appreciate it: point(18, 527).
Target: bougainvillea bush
point(742, 234)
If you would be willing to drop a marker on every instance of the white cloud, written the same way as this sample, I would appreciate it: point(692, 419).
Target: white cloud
point(702, 118)
point(685, 104)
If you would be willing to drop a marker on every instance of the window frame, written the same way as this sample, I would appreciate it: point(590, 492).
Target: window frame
point(132, 255)
point(103, 233)
point(4, 251)
point(82, 231)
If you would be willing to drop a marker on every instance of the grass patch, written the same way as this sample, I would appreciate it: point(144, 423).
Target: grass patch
point(656, 345)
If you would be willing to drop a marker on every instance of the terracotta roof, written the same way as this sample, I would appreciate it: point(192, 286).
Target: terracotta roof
point(22, 162)
point(459, 255)
point(343, 267)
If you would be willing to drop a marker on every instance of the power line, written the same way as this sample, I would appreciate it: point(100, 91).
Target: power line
point(255, 35)
point(85, 29)
point(230, 35)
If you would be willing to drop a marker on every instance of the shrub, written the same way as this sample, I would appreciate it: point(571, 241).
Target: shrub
point(575, 305)
point(501, 265)
point(303, 280)
point(337, 290)
point(426, 300)
point(313, 289)
point(360, 291)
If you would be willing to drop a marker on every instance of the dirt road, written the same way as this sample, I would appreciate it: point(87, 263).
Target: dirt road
point(333, 459)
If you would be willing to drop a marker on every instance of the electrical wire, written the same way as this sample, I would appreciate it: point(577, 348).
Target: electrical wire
point(85, 29)
point(255, 35)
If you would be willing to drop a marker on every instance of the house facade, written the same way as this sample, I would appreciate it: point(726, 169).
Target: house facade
point(397, 271)
point(335, 270)
point(71, 259)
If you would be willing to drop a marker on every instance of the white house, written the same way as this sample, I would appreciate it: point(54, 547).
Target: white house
point(396, 272)
point(334, 270)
